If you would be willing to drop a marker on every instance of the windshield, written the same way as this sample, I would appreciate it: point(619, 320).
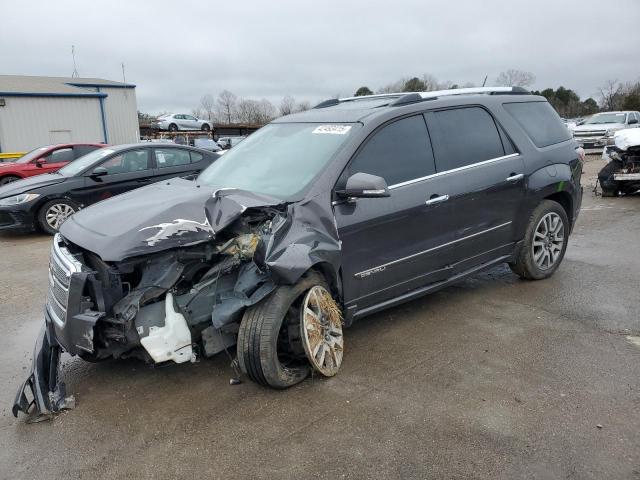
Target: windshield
point(84, 162)
point(606, 118)
point(27, 157)
point(278, 160)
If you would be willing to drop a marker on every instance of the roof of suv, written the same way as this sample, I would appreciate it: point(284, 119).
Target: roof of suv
point(357, 109)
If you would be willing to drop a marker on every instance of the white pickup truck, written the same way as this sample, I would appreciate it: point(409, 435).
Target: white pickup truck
point(597, 131)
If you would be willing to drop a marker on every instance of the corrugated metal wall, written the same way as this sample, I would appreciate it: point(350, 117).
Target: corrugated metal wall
point(121, 111)
point(30, 122)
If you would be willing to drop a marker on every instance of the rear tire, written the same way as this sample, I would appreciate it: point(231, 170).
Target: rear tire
point(545, 242)
point(54, 213)
point(8, 179)
point(264, 326)
point(206, 127)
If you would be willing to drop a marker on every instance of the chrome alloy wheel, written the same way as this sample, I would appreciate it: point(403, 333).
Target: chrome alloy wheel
point(57, 214)
point(321, 331)
point(548, 241)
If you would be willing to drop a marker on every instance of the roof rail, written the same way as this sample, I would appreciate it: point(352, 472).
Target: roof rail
point(442, 93)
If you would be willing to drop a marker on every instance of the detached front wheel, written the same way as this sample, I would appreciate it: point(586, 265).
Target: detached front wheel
point(295, 328)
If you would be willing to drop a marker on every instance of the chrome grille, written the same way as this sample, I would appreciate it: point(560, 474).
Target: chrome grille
point(62, 266)
point(591, 133)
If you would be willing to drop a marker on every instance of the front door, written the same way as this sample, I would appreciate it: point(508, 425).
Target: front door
point(125, 171)
point(393, 245)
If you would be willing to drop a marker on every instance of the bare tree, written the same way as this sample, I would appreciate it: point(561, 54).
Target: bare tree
point(196, 112)
point(303, 106)
point(430, 83)
point(515, 78)
point(255, 111)
point(287, 105)
point(226, 106)
point(207, 104)
point(611, 95)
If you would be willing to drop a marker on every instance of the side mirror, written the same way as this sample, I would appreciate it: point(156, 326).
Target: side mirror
point(99, 172)
point(633, 121)
point(364, 185)
point(40, 162)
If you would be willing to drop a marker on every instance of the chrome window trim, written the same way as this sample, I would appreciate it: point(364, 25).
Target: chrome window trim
point(453, 170)
point(379, 268)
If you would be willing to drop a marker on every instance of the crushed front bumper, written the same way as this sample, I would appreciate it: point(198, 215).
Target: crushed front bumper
point(42, 393)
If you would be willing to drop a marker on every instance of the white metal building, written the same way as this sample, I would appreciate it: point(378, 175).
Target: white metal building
point(36, 111)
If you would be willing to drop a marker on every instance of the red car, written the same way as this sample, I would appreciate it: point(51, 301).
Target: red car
point(44, 160)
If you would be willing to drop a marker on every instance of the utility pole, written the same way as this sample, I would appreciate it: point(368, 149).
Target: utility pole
point(73, 56)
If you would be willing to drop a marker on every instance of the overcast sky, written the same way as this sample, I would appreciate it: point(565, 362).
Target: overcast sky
point(176, 51)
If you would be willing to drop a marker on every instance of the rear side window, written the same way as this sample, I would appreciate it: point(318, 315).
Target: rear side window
point(172, 157)
point(463, 136)
point(82, 150)
point(196, 157)
point(398, 152)
point(540, 121)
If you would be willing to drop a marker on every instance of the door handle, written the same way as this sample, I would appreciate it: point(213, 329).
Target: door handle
point(515, 177)
point(436, 200)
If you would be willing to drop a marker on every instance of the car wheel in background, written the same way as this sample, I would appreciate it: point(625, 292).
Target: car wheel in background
point(54, 213)
point(8, 179)
point(545, 242)
point(173, 127)
point(271, 350)
point(205, 127)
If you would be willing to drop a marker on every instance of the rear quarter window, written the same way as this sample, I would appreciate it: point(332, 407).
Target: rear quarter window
point(540, 122)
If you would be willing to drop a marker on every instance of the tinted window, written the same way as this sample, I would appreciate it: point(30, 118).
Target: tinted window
point(540, 121)
point(128, 162)
point(509, 148)
point(398, 152)
point(62, 155)
point(172, 157)
point(463, 136)
point(196, 157)
point(82, 150)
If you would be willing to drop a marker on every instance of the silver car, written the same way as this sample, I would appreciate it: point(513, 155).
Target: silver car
point(174, 122)
point(227, 142)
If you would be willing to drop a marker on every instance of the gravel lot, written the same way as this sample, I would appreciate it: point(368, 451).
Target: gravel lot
point(493, 378)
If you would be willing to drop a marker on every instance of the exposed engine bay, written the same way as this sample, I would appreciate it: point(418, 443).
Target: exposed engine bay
point(621, 175)
point(182, 301)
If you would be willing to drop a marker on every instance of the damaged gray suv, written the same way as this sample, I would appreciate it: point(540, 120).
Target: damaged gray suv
point(316, 220)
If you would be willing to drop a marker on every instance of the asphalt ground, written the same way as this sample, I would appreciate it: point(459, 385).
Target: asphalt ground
point(492, 378)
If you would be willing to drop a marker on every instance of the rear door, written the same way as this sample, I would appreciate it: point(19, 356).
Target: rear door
point(482, 177)
point(125, 171)
point(174, 162)
point(393, 245)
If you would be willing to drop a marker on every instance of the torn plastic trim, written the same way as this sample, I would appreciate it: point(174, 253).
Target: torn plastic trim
point(43, 382)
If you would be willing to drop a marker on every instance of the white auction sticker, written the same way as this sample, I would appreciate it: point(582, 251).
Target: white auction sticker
point(333, 129)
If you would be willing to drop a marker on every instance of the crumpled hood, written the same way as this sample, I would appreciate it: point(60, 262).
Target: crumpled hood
point(29, 184)
point(629, 137)
point(158, 217)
